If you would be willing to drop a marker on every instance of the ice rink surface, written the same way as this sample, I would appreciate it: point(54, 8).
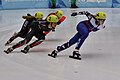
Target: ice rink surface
point(100, 52)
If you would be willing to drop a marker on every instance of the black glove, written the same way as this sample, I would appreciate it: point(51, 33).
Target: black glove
point(53, 29)
point(28, 14)
point(87, 13)
point(58, 22)
point(74, 14)
point(82, 13)
point(95, 29)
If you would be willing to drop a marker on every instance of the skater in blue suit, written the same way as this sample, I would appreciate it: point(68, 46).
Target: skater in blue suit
point(93, 24)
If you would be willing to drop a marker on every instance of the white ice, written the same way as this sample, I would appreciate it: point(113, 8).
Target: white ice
point(100, 52)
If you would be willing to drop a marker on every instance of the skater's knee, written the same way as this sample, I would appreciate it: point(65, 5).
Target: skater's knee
point(84, 36)
point(40, 40)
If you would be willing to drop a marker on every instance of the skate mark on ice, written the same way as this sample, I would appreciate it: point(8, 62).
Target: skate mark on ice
point(40, 50)
point(94, 55)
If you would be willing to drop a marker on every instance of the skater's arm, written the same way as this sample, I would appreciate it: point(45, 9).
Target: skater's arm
point(44, 26)
point(28, 17)
point(100, 27)
point(89, 15)
point(61, 20)
point(81, 13)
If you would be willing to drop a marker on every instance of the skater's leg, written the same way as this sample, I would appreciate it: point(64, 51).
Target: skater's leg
point(10, 49)
point(22, 33)
point(25, 41)
point(64, 46)
point(21, 43)
point(72, 41)
point(83, 31)
point(15, 35)
point(35, 43)
point(40, 37)
point(78, 38)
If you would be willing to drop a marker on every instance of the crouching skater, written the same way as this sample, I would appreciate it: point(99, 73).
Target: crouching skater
point(37, 29)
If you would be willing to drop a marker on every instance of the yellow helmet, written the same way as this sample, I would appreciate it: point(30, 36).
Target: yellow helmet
point(59, 13)
point(52, 18)
point(100, 15)
point(39, 15)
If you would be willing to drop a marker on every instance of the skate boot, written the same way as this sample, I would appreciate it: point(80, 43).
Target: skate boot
point(26, 49)
point(53, 54)
point(75, 55)
point(8, 50)
point(8, 42)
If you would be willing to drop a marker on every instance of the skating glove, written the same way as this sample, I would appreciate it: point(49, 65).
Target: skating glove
point(28, 14)
point(53, 29)
point(80, 13)
point(28, 17)
point(74, 14)
point(58, 22)
point(84, 13)
point(95, 29)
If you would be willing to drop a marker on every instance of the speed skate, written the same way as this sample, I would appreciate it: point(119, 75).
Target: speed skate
point(75, 55)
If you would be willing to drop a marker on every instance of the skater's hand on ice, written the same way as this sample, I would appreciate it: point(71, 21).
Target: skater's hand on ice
point(95, 29)
point(74, 14)
point(53, 29)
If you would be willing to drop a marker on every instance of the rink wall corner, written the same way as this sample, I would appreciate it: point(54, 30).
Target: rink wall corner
point(32, 4)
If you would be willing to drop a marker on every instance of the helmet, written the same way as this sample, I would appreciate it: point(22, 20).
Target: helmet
point(100, 15)
point(59, 13)
point(52, 18)
point(39, 15)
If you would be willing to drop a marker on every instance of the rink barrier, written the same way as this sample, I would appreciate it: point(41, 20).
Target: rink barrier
point(0, 4)
point(32, 4)
point(24, 4)
point(94, 3)
point(0, 7)
point(116, 3)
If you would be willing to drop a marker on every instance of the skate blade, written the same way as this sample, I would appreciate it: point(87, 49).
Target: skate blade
point(51, 56)
point(75, 57)
point(6, 44)
point(23, 51)
point(6, 52)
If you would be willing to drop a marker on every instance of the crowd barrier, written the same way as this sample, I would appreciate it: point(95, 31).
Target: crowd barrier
point(24, 4)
